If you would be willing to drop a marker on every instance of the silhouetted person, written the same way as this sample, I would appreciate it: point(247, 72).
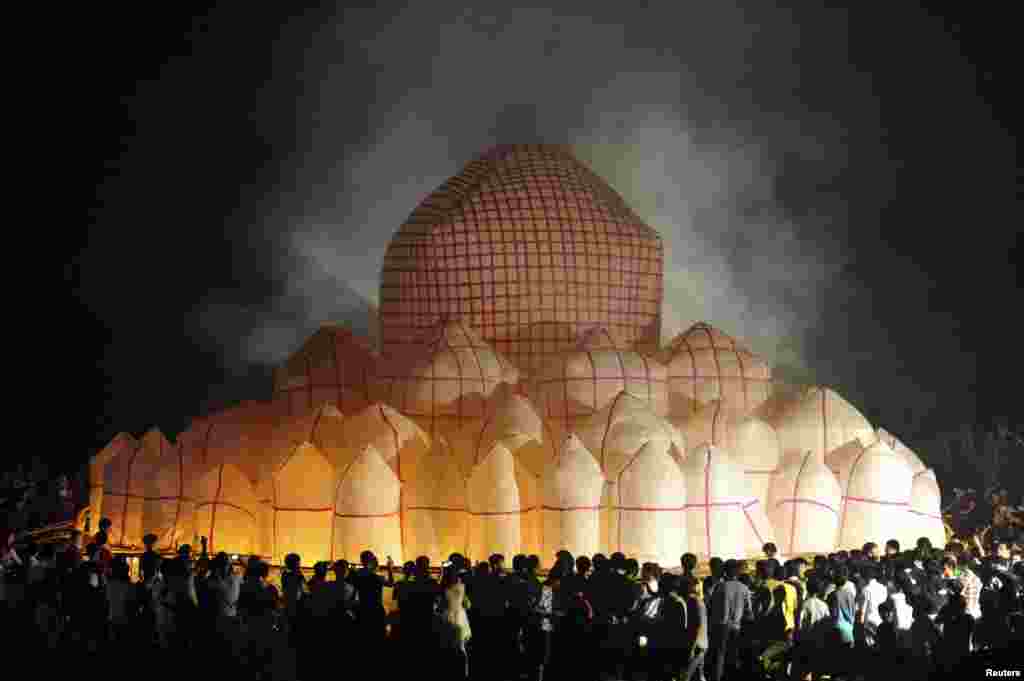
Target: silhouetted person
point(257, 603)
point(957, 632)
point(293, 591)
point(371, 617)
point(730, 607)
point(124, 605)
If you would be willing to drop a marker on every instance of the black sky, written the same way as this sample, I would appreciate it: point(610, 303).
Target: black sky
point(206, 160)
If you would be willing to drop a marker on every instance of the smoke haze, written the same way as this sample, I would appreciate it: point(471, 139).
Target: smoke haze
point(665, 109)
point(799, 167)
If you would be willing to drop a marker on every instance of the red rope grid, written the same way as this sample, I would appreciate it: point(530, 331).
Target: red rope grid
point(540, 207)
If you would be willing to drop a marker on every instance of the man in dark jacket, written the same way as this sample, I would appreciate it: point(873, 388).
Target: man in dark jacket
point(490, 600)
point(730, 607)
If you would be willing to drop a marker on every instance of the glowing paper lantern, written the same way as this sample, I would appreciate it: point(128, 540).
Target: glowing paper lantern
point(303, 505)
point(912, 459)
point(614, 435)
point(706, 365)
point(819, 422)
point(334, 365)
point(445, 380)
point(876, 496)
point(368, 509)
point(129, 478)
point(804, 499)
point(579, 383)
point(751, 443)
point(717, 496)
point(227, 510)
point(100, 479)
point(651, 497)
point(924, 517)
point(532, 247)
point(170, 512)
point(494, 505)
point(572, 498)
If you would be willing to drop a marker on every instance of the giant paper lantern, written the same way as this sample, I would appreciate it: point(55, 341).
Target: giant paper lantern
point(876, 495)
point(924, 516)
point(423, 513)
point(325, 427)
point(706, 365)
point(819, 422)
point(304, 486)
point(572, 496)
point(843, 457)
point(651, 494)
point(226, 510)
point(804, 499)
point(718, 503)
point(368, 509)
point(334, 365)
point(120, 444)
point(170, 511)
point(445, 381)
point(614, 435)
point(894, 443)
point(264, 544)
point(494, 505)
point(782, 396)
point(217, 438)
point(127, 484)
point(621, 428)
point(512, 422)
point(436, 517)
point(399, 441)
point(580, 382)
point(751, 442)
point(526, 240)
point(760, 530)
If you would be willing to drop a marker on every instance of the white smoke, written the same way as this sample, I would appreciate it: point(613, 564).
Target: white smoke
point(658, 104)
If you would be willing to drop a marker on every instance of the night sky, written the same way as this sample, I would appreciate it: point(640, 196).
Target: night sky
point(838, 188)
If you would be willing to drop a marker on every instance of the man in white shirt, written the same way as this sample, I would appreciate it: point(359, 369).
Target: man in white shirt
point(871, 596)
point(904, 611)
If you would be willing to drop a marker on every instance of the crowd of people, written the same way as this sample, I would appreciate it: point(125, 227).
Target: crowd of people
point(859, 614)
